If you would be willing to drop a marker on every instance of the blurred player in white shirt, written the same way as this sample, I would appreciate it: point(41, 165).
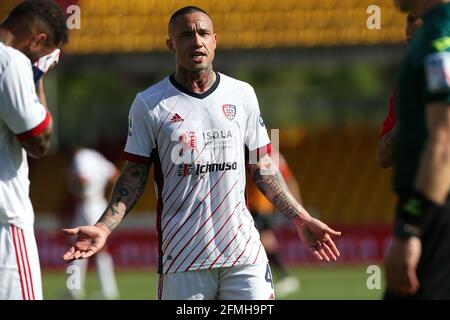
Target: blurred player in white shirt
point(197, 127)
point(89, 175)
point(32, 30)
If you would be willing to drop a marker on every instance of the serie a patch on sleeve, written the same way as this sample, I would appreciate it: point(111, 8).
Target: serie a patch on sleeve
point(437, 68)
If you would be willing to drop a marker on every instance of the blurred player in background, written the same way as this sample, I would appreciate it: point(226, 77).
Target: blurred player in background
point(32, 30)
point(418, 260)
point(264, 213)
point(388, 129)
point(89, 175)
point(208, 245)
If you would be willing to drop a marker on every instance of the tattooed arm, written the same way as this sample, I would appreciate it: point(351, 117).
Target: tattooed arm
point(314, 233)
point(384, 149)
point(269, 180)
point(128, 189)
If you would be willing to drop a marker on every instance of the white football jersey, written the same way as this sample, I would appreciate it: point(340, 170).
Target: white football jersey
point(21, 117)
point(198, 143)
point(95, 170)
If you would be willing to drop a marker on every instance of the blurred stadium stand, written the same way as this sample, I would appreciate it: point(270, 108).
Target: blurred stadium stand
point(140, 25)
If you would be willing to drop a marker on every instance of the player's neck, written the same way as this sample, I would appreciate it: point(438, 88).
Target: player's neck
point(6, 37)
point(196, 81)
point(423, 7)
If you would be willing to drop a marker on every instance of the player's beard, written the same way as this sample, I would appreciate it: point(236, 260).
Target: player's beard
point(403, 5)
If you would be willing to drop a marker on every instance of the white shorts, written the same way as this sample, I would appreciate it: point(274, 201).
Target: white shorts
point(246, 282)
point(20, 273)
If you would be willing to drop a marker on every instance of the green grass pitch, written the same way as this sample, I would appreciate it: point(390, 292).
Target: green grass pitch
point(317, 282)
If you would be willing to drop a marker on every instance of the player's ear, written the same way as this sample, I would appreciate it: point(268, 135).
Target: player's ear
point(38, 39)
point(169, 44)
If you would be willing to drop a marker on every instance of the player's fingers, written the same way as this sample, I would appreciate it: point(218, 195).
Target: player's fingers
point(72, 231)
point(69, 259)
point(333, 232)
point(315, 250)
point(77, 254)
point(68, 254)
point(317, 247)
point(329, 252)
point(324, 255)
point(317, 255)
point(332, 246)
point(85, 255)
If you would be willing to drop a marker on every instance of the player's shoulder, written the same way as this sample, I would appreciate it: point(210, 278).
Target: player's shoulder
point(236, 83)
point(87, 154)
point(5, 58)
point(13, 57)
point(242, 90)
point(153, 95)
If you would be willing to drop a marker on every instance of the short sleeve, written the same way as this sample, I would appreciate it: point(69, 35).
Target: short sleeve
point(140, 142)
point(21, 110)
point(256, 137)
point(437, 70)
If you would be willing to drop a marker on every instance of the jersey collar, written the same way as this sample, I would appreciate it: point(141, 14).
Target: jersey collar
point(193, 94)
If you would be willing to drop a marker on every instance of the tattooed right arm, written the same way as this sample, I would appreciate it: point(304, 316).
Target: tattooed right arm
point(128, 189)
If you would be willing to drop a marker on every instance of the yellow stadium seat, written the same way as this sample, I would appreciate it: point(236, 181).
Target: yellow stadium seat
point(242, 23)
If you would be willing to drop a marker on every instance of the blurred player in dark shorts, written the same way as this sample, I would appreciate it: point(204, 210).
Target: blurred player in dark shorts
point(418, 260)
point(264, 215)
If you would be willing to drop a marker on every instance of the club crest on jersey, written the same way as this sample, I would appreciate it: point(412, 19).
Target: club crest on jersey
point(229, 111)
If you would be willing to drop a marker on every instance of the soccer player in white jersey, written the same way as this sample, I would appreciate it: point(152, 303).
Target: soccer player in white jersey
point(31, 31)
point(89, 175)
point(197, 127)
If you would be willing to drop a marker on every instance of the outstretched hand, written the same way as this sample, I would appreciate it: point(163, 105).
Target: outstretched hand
point(317, 236)
point(89, 241)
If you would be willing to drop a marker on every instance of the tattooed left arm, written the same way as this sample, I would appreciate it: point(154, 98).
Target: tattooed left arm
point(314, 233)
point(269, 180)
